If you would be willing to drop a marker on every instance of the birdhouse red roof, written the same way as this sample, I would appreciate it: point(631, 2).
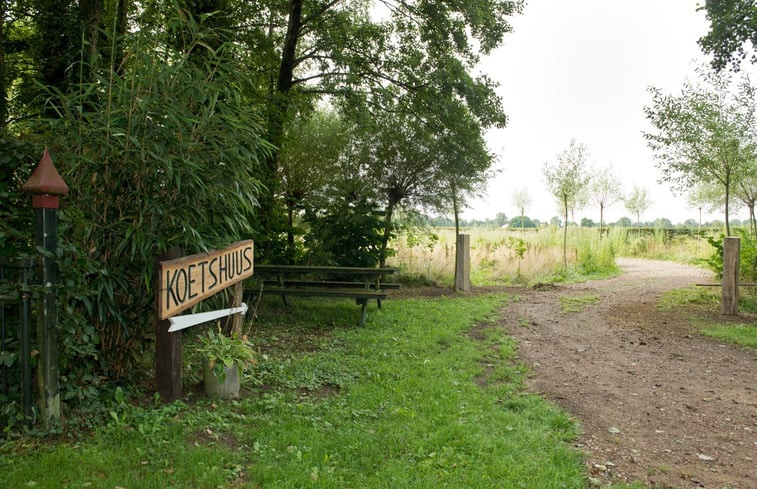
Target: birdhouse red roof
point(45, 179)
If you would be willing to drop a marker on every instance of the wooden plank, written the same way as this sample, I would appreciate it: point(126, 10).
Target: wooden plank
point(344, 293)
point(302, 269)
point(184, 282)
point(330, 284)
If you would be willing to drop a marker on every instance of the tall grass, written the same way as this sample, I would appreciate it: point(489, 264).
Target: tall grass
point(506, 257)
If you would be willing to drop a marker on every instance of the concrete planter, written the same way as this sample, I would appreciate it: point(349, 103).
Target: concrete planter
point(226, 389)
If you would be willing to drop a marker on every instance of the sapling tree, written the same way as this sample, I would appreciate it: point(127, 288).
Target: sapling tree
point(605, 191)
point(566, 181)
point(522, 200)
point(638, 202)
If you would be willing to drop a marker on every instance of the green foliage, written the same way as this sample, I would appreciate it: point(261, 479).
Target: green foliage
point(222, 352)
point(732, 29)
point(595, 256)
point(747, 255)
point(162, 152)
point(346, 233)
point(16, 213)
point(704, 135)
point(521, 222)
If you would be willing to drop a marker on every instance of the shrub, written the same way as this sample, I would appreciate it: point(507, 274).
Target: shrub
point(747, 255)
point(348, 232)
point(162, 152)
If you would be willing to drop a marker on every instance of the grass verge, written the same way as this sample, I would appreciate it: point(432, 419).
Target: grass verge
point(427, 395)
point(707, 299)
point(738, 334)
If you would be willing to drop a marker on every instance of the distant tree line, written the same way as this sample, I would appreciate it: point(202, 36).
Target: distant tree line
point(501, 221)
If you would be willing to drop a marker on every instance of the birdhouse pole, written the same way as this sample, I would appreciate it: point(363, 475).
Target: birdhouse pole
point(46, 187)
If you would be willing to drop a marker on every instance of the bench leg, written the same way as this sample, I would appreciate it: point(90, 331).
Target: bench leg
point(363, 306)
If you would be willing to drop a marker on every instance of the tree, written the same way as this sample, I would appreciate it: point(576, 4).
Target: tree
point(746, 192)
point(605, 191)
point(420, 51)
point(412, 162)
point(522, 200)
point(704, 134)
point(624, 222)
point(566, 181)
point(637, 202)
point(309, 159)
point(521, 222)
point(733, 25)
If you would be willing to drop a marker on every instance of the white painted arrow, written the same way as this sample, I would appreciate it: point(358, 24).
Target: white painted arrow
point(187, 320)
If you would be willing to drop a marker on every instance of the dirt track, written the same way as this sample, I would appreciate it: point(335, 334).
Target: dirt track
point(656, 401)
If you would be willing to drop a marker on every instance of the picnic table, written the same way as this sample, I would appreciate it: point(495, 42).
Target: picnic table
point(359, 283)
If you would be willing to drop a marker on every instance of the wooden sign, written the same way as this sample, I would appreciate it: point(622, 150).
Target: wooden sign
point(185, 281)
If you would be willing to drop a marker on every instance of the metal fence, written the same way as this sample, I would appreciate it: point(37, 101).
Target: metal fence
point(15, 332)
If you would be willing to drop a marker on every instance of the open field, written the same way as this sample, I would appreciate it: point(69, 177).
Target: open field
point(506, 257)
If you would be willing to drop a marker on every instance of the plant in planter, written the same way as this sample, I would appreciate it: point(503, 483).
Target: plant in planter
point(224, 359)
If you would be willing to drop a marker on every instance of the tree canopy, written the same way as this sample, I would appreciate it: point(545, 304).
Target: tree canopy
point(733, 32)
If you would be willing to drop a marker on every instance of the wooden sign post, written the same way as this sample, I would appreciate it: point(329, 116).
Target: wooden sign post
point(182, 282)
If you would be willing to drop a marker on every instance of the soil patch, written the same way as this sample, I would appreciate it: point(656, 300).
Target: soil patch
point(656, 401)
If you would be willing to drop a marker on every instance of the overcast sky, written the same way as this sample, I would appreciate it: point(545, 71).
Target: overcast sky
point(580, 69)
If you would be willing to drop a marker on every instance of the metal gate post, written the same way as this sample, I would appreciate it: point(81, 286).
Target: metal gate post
point(46, 186)
point(26, 367)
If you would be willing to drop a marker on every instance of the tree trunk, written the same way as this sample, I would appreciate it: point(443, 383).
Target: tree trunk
point(3, 95)
point(565, 238)
point(387, 231)
point(727, 205)
point(91, 16)
point(752, 221)
point(277, 112)
point(456, 212)
point(601, 219)
point(290, 232)
point(54, 30)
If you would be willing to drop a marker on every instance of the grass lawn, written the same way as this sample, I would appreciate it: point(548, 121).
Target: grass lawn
point(427, 395)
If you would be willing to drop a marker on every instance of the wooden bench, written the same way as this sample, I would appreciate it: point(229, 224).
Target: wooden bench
point(361, 284)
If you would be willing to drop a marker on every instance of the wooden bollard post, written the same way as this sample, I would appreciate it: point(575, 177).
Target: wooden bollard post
point(46, 187)
point(462, 264)
point(730, 300)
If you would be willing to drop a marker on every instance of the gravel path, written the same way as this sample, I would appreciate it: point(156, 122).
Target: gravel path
point(656, 401)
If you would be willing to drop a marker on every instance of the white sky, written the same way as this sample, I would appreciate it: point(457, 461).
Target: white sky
point(580, 69)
